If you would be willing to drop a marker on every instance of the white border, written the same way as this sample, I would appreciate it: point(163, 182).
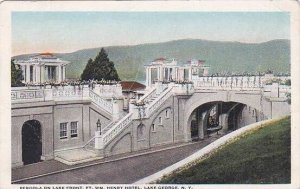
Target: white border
point(5, 53)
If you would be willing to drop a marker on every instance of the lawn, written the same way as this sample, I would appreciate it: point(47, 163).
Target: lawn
point(263, 156)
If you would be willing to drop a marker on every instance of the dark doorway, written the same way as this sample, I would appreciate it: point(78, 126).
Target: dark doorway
point(31, 142)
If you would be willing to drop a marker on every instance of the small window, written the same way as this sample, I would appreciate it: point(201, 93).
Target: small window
point(167, 114)
point(160, 121)
point(153, 127)
point(63, 133)
point(74, 129)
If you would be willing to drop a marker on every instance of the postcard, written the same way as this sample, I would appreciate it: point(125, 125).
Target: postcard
point(149, 94)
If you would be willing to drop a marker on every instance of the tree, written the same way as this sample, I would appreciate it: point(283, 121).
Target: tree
point(16, 74)
point(100, 68)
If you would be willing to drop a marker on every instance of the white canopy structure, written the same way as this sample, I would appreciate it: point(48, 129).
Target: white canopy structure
point(162, 69)
point(44, 67)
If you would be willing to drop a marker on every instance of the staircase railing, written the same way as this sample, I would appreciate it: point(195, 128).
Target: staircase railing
point(93, 138)
point(148, 96)
point(102, 103)
point(116, 129)
point(160, 99)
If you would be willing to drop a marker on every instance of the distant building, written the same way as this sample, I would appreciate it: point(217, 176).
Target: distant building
point(131, 90)
point(162, 69)
point(41, 68)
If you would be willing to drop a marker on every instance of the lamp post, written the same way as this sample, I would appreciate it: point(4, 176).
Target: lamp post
point(99, 126)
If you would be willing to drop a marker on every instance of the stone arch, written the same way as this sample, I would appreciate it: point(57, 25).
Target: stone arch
point(199, 99)
point(232, 108)
point(206, 108)
point(32, 146)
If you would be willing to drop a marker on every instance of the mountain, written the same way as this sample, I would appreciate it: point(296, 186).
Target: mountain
point(221, 56)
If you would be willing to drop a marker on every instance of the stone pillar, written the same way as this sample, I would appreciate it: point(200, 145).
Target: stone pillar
point(34, 73)
point(223, 121)
point(205, 72)
point(64, 73)
point(42, 73)
point(200, 125)
point(27, 73)
point(275, 90)
point(147, 77)
point(59, 73)
point(46, 77)
point(190, 74)
point(116, 109)
point(99, 145)
point(37, 73)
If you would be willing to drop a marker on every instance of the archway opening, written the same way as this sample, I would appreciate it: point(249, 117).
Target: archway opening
point(220, 116)
point(197, 125)
point(31, 142)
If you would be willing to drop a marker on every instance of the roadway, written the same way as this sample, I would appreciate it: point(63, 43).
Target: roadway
point(124, 170)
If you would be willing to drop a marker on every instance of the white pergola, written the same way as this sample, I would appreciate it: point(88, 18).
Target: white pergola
point(168, 70)
point(42, 68)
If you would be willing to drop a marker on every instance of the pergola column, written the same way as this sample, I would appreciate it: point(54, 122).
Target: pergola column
point(64, 73)
point(149, 76)
point(27, 73)
point(42, 76)
point(34, 73)
point(37, 73)
point(190, 74)
point(59, 73)
point(46, 76)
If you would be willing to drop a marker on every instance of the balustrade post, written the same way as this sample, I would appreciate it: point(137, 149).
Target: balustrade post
point(85, 92)
point(99, 144)
point(118, 91)
point(116, 108)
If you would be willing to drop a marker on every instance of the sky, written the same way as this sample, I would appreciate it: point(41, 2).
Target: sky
point(61, 32)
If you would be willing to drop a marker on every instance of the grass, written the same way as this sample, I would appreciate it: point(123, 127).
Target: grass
point(263, 156)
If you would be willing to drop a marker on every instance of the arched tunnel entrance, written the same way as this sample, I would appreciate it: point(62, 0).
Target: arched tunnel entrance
point(221, 117)
point(31, 142)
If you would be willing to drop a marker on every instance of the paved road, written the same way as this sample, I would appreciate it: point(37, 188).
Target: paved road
point(123, 171)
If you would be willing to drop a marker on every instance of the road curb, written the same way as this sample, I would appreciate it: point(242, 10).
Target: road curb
point(98, 163)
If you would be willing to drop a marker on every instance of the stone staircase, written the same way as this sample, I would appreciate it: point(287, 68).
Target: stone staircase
point(90, 145)
point(151, 101)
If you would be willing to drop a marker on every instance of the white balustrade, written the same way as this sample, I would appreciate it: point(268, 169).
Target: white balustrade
point(157, 102)
point(27, 95)
point(116, 129)
point(106, 105)
point(147, 97)
point(67, 93)
point(60, 93)
point(229, 83)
